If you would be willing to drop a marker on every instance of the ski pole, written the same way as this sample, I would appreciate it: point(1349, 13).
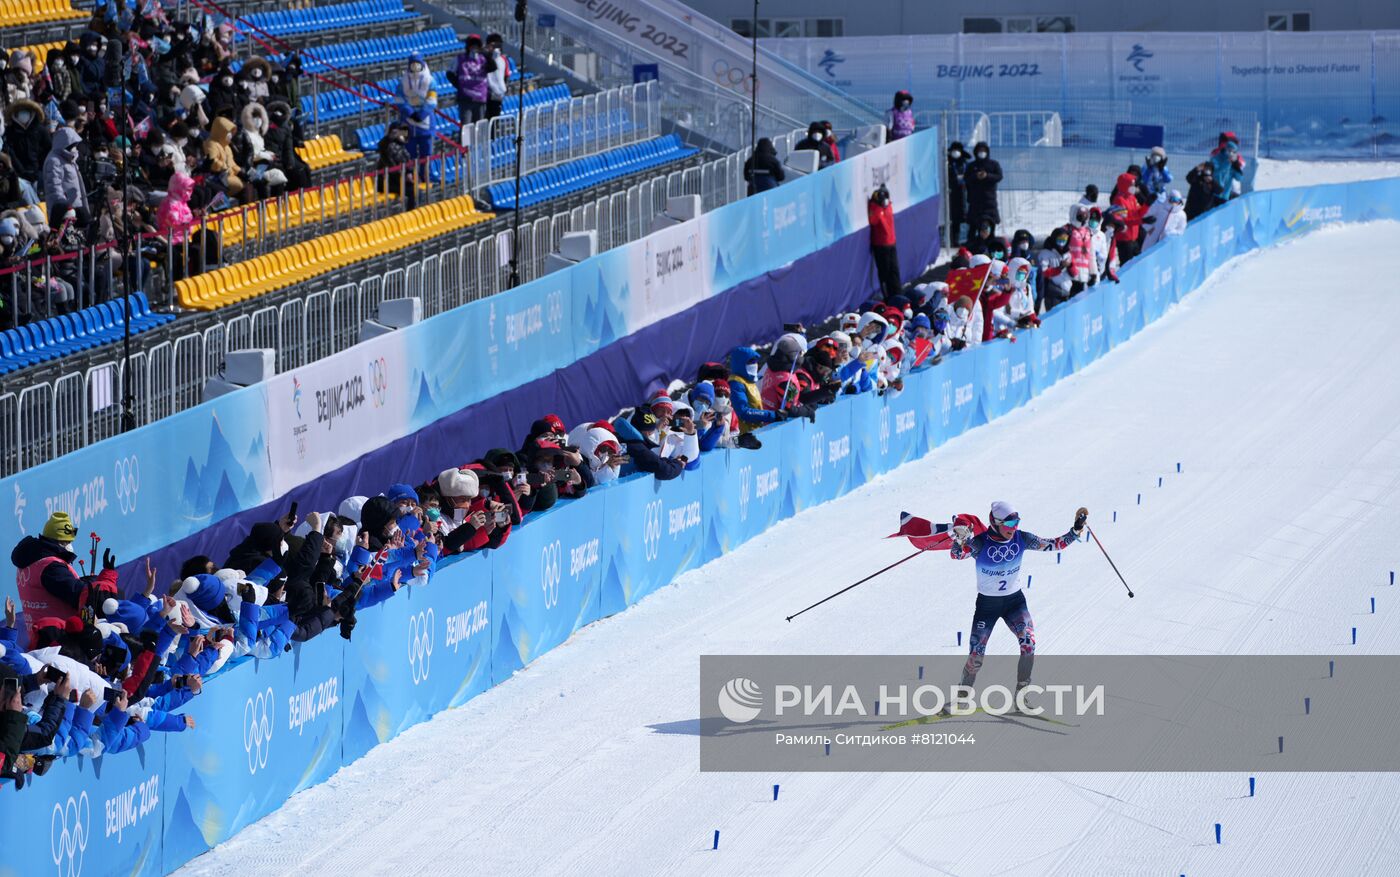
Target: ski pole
point(861, 582)
point(1110, 561)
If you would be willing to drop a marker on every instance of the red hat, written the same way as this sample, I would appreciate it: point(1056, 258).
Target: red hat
point(610, 446)
point(606, 424)
point(660, 400)
point(721, 388)
point(555, 424)
point(546, 445)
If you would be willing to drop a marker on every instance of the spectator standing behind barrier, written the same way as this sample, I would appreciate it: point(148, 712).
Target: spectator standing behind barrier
point(1170, 219)
point(395, 164)
point(1129, 238)
point(1205, 191)
point(418, 105)
point(957, 192)
point(469, 77)
point(899, 119)
point(1156, 179)
point(983, 175)
point(497, 74)
point(762, 170)
point(1228, 165)
point(816, 140)
point(1089, 200)
point(882, 242)
point(639, 434)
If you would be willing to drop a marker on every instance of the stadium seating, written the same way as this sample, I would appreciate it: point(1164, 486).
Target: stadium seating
point(282, 268)
point(589, 171)
point(369, 136)
point(71, 333)
point(310, 205)
point(379, 50)
point(18, 12)
point(340, 104)
point(288, 22)
point(325, 151)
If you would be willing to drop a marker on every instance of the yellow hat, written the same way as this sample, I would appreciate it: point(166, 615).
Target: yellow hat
point(60, 528)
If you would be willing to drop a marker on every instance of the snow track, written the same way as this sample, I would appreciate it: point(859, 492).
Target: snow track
point(1279, 397)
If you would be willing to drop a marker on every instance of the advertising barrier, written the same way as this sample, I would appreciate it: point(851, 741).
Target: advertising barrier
point(256, 444)
point(267, 729)
point(1315, 94)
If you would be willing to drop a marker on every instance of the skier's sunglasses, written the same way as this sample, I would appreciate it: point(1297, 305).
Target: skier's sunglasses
point(1009, 522)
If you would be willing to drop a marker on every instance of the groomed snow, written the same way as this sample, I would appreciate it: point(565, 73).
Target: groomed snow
point(1272, 540)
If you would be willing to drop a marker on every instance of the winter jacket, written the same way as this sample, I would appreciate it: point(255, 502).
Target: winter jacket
point(900, 123)
point(643, 453)
point(743, 391)
point(1081, 253)
point(1133, 210)
point(471, 76)
point(1228, 172)
point(304, 599)
point(982, 194)
point(265, 538)
point(821, 147)
point(173, 216)
point(497, 74)
point(47, 584)
point(63, 185)
point(27, 145)
point(881, 224)
point(219, 150)
point(1171, 221)
point(1200, 197)
point(762, 170)
point(589, 439)
point(1156, 180)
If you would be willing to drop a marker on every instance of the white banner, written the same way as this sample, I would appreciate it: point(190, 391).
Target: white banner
point(667, 273)
point(326, 414)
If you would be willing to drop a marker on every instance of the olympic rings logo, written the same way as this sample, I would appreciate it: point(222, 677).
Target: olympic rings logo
point(126, 472)
point(818, 458)
point(378, 381)
point(745, 477)
point(551, 573)
point(420, 645)
point(1003, 553)
point(651, 530)
point(68, 834)
point(257, 729)
point(554, 311)
point(884, 430)
point(732, 77)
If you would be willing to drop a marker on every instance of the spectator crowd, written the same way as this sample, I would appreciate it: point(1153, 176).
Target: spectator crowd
point(146, 123)
point(100, 665)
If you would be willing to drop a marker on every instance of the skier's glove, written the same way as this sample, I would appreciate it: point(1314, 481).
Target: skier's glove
point(962, 533)
point(1081, 521)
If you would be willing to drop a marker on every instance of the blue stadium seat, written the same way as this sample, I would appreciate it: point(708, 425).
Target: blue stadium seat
point(71, 333)
point(587, 171)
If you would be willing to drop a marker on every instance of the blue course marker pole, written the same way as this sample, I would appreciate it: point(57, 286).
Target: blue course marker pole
point(921, 671)
point(716, 846)
point(1139, 499)
point(1029, 577)
point(828, 749)
point(1178, 468)
point(1280, 745)
point(1307, 706)
point(1251, 787)
point(1057, 557)
point(1217, 833)
point(775, 791)
point(1159, 481)
point(1373, 605)
point(1392, 577)
point(1115, 516)
point(960, 637)
point(1353, 636)
point(1331, 668)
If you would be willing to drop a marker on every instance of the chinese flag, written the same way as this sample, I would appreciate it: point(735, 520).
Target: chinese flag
point(966, 282)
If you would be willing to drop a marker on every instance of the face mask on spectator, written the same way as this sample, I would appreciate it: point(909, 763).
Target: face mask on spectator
point(752, 370)
point(23, 116)
point(434, 513)
point(1022, 276)
point(817, 136)
point(415, 67)
point(962, 314)
point(1093, 223)
point(955, 154)
point(981, 153)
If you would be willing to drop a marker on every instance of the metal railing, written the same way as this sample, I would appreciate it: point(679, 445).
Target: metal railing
point(46, 420)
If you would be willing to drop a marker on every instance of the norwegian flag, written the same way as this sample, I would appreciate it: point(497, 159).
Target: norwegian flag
point(967, 282)
point(928, 536)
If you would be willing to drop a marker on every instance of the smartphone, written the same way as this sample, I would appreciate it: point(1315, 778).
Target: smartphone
point(292, 512)
point(561, 476)
point(502, 517)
